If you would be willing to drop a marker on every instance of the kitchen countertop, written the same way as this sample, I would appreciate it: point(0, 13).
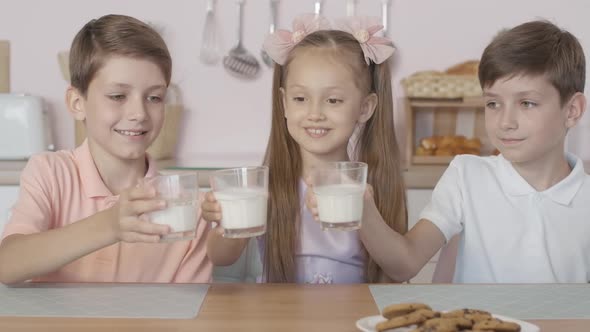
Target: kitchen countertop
point(417, 177)
point(421, 177)
point(253, 307)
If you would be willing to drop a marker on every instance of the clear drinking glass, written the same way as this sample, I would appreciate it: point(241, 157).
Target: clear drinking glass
point(243, 196)
point(339, 188)
point(181, 193)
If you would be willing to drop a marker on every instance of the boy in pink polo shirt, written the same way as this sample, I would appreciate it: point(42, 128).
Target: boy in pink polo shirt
point(80, 216)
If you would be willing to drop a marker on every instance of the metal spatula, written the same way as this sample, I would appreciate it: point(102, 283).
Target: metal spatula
point(239, 62)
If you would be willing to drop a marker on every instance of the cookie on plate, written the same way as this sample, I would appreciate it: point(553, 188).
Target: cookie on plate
point(400, 309)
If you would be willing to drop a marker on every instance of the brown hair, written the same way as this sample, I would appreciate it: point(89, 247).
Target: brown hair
point(376, 145)
point(536, 48)
point(114, 35)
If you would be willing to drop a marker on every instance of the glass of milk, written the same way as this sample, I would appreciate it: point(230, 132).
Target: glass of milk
point(339, 188)
point(181, 193)
point(242, 194)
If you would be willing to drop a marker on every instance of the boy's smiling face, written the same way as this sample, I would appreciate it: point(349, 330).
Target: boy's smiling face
point(124, 107)
point(525, 119)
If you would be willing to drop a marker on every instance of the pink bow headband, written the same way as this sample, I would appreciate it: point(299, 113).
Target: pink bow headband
point(375, 48)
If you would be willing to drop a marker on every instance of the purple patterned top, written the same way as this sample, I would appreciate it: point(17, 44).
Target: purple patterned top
point(325, 257)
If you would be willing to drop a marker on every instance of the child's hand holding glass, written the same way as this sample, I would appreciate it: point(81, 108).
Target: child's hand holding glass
point(335, 194)
point(128, 216)
point(211, 209)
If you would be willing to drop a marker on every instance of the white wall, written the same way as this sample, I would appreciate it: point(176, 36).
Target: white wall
point(231, 118)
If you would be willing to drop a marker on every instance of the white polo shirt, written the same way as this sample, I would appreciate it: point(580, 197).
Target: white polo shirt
point(512, 233)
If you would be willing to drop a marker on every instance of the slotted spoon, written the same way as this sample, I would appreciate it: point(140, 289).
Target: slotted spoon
point(239, 62)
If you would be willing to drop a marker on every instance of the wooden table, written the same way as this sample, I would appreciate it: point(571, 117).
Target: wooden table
point(257, 308)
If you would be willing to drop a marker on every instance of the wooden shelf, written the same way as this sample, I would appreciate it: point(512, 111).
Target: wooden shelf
point(474, 102)
point(432, 160)
point(445, 113)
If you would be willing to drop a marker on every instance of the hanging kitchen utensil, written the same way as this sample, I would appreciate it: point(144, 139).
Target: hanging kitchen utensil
point(239, 62)
point(273, 23)
point(385, 17)
point(351, 7)
point(210, 48)
point(318, 7)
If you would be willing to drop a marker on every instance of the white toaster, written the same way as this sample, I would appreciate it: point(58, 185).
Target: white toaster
point(24, 127)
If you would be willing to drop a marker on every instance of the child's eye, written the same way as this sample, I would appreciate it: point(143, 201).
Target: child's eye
point(117, 97)
point(528, 104)
point(334, 101)
point(299, 99)
point(154, 99)
point(492, 105)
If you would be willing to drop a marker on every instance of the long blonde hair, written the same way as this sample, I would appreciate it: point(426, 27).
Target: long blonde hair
point(375, 144)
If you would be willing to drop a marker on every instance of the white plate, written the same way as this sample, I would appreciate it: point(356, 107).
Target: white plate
point(367, 324)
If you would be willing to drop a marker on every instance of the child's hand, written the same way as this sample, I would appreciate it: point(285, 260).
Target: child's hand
point(312, 204)
point(210, 208)
point(369, 193)
point(310, 201)
point(131, 223)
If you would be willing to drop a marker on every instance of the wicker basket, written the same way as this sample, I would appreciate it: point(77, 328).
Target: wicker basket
point(164, 146)
point(441, 85)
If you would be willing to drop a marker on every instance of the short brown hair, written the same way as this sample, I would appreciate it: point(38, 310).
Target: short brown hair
point(536, 48)
point(114, 35)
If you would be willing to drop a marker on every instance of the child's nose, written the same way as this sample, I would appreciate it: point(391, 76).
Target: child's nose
point(508, 119)
point(315, 113)
point(137, 111)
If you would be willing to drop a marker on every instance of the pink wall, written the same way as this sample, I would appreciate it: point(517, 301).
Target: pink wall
point(228, 119)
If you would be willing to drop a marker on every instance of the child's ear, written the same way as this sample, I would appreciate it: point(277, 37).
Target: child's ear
point(283, 100)
point(75, 103)
point(368, 107)
point(575, 109)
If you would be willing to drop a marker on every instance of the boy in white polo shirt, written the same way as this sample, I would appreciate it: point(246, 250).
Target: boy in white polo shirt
point(523, 216)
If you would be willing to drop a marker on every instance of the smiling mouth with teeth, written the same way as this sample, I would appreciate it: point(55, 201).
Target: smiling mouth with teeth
point(130, 132)
point(317, 131)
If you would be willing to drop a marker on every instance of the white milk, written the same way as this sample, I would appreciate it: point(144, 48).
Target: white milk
point(242, 207)
point(181, 217)
point(340, 203)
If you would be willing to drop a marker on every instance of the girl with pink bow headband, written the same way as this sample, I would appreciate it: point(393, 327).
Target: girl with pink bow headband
point(375, 48)
point(331, 91)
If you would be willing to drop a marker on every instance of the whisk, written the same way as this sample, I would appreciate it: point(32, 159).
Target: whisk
point(239, 62)
point(210, 44)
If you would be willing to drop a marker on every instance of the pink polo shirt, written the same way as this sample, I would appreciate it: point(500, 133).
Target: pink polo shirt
point(60, 188)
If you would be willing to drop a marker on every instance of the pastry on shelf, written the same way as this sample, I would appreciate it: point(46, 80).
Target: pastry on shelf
point(448, 146)
point(429, 143)
point(422, 151)
point(473, 143)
